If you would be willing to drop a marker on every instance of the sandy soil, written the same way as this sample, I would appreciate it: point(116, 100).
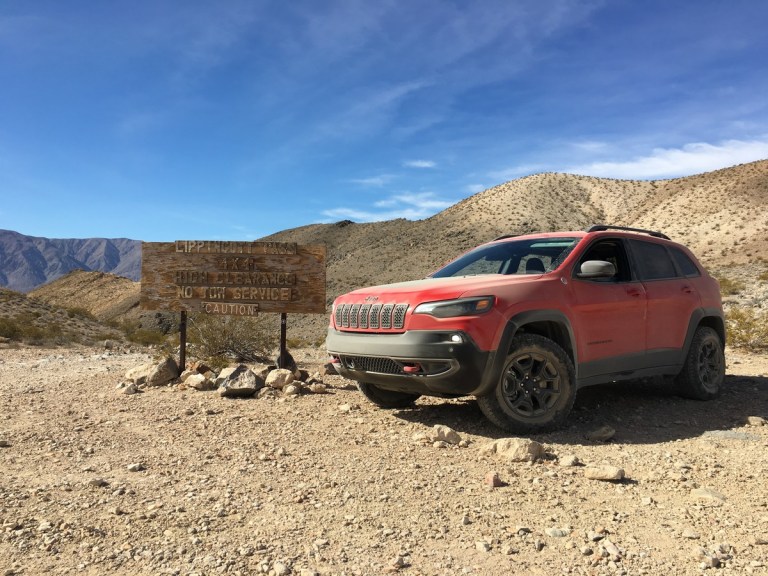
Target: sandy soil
point(174, 481)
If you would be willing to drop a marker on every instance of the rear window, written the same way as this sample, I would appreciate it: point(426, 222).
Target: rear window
point(684, 262)
point(653, 261)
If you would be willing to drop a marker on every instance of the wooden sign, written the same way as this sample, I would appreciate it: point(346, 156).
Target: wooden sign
point(232, 278)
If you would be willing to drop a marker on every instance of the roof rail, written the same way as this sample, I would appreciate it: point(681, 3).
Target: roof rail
point(602, 227)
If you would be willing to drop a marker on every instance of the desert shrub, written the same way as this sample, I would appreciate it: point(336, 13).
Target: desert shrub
point(9, 328)
point(747, 327)
point(244, 339)
point(78, 312)
point(763, 276)
point(729, 287)
point(145, 337)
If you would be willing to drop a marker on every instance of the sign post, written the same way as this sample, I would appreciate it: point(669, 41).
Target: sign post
point(232, 279)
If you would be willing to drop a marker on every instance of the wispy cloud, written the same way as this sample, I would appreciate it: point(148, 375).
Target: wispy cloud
point(475, 188)
point(420, 164)
point(373, 181)
point(692, 158)
point(413, 206)
point(513, 172)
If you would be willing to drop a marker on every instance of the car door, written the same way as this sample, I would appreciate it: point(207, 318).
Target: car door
point(609, 313)
point(672, 299)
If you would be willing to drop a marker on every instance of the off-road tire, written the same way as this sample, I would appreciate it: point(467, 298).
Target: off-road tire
point(704, 370)
point(536, 388)
point(387, 398)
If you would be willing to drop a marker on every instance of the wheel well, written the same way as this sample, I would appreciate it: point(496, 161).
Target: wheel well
point(716, 324)
point(555, 331)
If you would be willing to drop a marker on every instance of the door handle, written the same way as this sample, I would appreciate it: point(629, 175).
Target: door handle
point(634, 292)
point(687, 290)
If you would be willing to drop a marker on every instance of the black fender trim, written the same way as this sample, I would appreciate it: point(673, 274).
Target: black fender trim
point(712, 317)
point(516, 324)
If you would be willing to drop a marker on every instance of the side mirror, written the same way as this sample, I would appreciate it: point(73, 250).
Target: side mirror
point(596, 269)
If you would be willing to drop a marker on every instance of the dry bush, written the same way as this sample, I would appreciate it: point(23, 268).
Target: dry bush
point(244, 339)
point(729, 287)
point(747, 327)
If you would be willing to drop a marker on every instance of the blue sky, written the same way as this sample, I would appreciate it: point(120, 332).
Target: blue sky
point(162, 120)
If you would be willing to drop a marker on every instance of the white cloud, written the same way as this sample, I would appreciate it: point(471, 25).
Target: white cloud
point(406, 205)
point(373, 181)
point(419, 164)
point(513, 172)
point(475, 188)
point(691, 159)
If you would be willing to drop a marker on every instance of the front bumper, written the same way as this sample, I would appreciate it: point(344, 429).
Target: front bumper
point(432, 363)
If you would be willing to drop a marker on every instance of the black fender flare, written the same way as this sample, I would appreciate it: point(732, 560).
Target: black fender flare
point(712, 317)
point(513, 326)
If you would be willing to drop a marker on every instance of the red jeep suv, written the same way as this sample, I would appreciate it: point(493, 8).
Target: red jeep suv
point(523, 322)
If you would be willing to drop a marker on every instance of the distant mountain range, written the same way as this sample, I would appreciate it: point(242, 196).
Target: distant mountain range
point(27, 262)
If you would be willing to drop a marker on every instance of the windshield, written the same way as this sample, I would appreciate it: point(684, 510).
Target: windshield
point(530, 256)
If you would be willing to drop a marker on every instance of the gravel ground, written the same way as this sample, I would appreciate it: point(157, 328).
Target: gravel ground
point(176, 481)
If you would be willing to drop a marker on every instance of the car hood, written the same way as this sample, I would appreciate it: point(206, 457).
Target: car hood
point(434, 289)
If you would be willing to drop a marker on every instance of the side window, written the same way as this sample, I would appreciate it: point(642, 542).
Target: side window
point(653, 261)
point(683, 261)
point(610, 251)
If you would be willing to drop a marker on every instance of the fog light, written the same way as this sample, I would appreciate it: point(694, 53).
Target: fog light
point(457, 339)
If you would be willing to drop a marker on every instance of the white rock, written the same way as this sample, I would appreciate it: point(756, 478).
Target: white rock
point(514, 449)
point(279, 378)
point(445, 434)
point(605, 472)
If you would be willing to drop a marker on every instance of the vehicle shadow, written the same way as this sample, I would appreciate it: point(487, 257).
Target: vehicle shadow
point(643, 412)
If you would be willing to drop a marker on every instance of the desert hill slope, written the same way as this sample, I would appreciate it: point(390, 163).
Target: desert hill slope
point(721, 215)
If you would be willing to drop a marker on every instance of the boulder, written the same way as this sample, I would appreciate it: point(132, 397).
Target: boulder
point(139, 374)
point(240, 383)
point(200, 382)
point(279, 378)
point(515, 449)
point(163, 373)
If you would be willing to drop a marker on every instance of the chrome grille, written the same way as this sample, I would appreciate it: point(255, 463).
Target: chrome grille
point(373, 323)
point(386, 316)
point(364, 309)
point(353, 315)
point(371, 317)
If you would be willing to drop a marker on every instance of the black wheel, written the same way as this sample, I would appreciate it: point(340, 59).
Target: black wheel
point(387, 398)
point(704, 370)
point(536, 388)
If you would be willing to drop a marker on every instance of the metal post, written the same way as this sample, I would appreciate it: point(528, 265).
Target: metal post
point(283, 360)
point(183, 342)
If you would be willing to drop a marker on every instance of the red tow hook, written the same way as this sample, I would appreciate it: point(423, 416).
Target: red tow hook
point(412, 369)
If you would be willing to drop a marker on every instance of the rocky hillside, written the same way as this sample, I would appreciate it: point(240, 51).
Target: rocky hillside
point(722, 216)
point(27, 262)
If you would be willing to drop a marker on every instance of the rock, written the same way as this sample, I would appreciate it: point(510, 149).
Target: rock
point(136, 467)
point(291, 390)
point(557, 532)
point(98, 482)
point(613, 551)
point(131, 389)
point(514, 449)
point(4, 443)
point(569, 461)
point(240, 383)
point(492, 480)
point(139, 374)
point(602, 434)
point(318, 388)
point(279, 378)
point(444, 433)
point(482, 546)
point(199, 382)
point(708, 494)
point(756, 421)
point(605, 472)
point(281, 569)
point(163, 373)
point(690, 534)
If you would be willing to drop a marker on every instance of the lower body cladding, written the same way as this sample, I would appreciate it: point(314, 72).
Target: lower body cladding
point(418, 362)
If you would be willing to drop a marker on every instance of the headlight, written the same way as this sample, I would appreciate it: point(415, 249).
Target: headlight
point(453, 308)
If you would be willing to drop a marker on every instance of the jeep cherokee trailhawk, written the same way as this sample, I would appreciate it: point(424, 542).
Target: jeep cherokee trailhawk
point(524, 321)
